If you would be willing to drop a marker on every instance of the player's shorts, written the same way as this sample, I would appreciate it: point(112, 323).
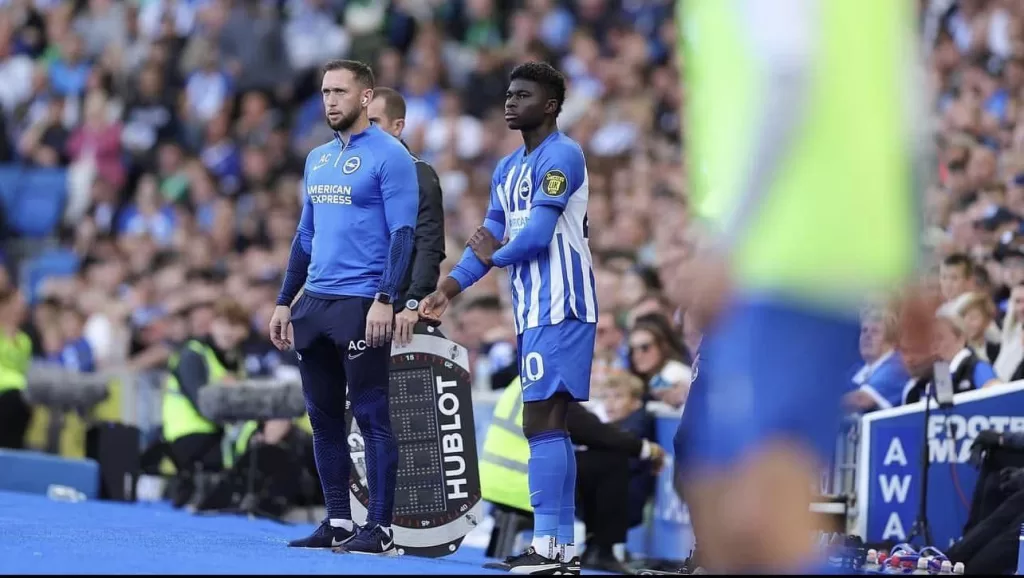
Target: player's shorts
point(555, 358)
point(769, 371)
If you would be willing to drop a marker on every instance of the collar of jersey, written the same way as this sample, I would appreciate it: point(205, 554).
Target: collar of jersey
point(353, 139)
point(548, 138)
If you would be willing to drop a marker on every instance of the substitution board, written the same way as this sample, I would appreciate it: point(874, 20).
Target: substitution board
point(437, 497)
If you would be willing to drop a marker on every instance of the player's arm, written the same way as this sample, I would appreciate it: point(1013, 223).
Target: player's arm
point(562, 171)
point(302, 250)
point(400, 191)
point(782, 38)
point(470, 268)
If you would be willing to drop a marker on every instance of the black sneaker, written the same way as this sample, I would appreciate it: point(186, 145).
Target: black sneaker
point(570, 568)
point(371, 540)
point(531, 562)
point(325, 536)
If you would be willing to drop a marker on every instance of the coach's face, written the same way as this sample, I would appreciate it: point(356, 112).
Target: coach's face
point(344, 98)
point(377, 111)
point(526, 105)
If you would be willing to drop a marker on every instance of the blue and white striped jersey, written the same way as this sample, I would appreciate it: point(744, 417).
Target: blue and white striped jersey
point(558, 283)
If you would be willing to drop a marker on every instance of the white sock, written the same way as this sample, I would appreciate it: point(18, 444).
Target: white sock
point(545, 546)
point(568, 551)
point(347, 525)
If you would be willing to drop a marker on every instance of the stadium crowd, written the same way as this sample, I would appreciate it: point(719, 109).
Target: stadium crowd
point(183, 126)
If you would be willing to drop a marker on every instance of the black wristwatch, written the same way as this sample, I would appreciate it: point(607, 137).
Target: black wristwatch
point(382, 298)
point(412, 304)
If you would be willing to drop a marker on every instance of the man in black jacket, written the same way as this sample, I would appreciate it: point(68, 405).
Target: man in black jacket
point(387, 110)
point(991, 542)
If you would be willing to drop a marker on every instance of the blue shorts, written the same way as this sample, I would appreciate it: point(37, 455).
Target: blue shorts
point(769, 371)
point(555, 358)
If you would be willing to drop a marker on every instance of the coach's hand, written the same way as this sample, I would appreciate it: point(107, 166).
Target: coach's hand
point(433, 306)
point(484, 244)
point(281, 327)
point(405, 321)
point(378, 324)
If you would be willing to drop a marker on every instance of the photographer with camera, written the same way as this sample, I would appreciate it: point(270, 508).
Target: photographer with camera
point(991, 536)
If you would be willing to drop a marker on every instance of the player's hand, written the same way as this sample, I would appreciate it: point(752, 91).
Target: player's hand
point(484, 244)
point(281, 327)
point(433, 306)
point(405, 321)
point(657, 458)
point(378, 324)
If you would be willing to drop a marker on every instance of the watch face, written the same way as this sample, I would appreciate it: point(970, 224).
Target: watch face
point(412, 304)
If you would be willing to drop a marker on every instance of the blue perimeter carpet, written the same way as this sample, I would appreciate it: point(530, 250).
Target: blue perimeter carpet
point(42, 536)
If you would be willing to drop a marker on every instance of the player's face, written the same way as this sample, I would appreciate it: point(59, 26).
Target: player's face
point(343, 98)
point(526, 105)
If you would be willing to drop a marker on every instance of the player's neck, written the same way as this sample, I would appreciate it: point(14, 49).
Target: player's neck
point(533, 137)
point(362, 123)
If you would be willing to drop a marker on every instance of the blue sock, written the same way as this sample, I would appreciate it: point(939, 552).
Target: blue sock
point(567, 509)
point(546, 471)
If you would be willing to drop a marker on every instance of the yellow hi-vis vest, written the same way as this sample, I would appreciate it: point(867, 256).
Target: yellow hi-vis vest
point(180, 417)
point(839, 218)
point(15, 356)
point(503, 473)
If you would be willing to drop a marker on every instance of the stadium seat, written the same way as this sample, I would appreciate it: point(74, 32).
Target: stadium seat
point(50, 263)
point(35, 472)
point(10, 175)
point(33, 200)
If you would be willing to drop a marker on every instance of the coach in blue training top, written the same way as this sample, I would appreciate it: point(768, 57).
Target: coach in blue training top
point(352, 249)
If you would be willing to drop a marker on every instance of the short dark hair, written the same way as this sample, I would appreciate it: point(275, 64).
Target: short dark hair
point(958, 259)
point(545, 75)
point(361, 70)
point(394, 104)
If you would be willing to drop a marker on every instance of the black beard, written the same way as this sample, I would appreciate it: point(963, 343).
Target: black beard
point(344, 123)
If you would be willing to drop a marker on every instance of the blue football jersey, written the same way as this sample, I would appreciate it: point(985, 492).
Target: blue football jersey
point(558, 283)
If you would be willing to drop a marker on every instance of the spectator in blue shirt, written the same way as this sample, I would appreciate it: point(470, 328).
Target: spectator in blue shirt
point(880, 381)
point(70, 71)
point(76, 354)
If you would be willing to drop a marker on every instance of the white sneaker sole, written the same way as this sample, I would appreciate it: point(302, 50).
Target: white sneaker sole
point(549, 569)
point(386, 553)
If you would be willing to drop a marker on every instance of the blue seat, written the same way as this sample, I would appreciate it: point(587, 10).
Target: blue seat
point(51, 263)
point(35, 472)
point(38, 203)
point(10, 177)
